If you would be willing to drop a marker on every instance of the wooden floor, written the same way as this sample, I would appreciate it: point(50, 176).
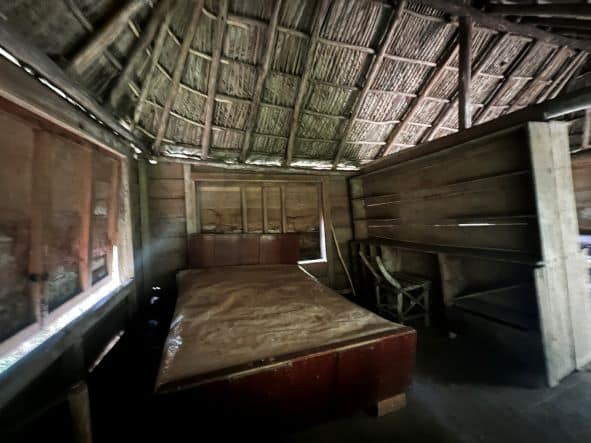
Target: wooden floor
point(462, 394)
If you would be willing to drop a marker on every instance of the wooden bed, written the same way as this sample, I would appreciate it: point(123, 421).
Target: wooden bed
point(252, 331)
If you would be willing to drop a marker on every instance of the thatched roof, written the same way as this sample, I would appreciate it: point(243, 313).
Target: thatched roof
point(313, 82)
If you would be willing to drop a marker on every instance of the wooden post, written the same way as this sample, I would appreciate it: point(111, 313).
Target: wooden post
point(586, 142)
point(79, 406)
point(145, 226)
point(138, 53)
point(283, 209)
point(41, 219)
point(113, 213)
point(324, 204)
point(264, 204)
point(190, 209)
point(84, 258)
point(243, 209)
point(465, 73)
point(103, 38)
point(177, 74)
point(217, 46)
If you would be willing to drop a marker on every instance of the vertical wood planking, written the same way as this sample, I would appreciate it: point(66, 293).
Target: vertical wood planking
point(145, 225)
point(283, 209)
point(264, 206)
point(190, 204)
point(40, 222)
point(323, 191)
point(113, 213)
point(86, 221)
point(243, 209)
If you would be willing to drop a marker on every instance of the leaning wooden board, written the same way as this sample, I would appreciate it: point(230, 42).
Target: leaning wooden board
point(271, 338)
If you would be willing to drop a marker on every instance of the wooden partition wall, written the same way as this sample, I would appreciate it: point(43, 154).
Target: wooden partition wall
point(180, 199)
point(498, 215)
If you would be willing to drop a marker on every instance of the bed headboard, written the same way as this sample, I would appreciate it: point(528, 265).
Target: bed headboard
point(209, 250)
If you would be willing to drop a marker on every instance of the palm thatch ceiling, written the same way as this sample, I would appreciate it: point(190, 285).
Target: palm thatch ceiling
point(302, 83)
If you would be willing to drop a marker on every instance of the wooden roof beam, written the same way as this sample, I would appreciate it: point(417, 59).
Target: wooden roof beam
point(416, 103)
point(270, 39)
point(565, 76)
point(178, 73)
point(370, 78)
point(217, 46)
point(154, 60)
point(564, 10)
point(319, 16)
point(495, 22)
point(564, 23)
point(138, 52)
point(104, 37)
point(506, 85)
point(489, 53)
point(465, 73)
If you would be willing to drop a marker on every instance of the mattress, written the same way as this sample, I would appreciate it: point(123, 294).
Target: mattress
point(235, 319)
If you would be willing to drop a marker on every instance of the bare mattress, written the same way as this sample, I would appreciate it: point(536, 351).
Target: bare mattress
point(237, 319)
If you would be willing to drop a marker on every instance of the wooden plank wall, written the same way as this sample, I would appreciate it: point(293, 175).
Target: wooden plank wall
point(581, 165)
point(169, 199)
point(498, 213)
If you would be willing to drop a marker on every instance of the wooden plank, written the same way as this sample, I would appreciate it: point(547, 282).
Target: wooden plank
point(217, 46)
point(177, 74)
point(270, 39)
point(190, 207)
point(103, 38)
point(265, 213)
point(319, 16)
point(569, 10)
point(465, 73)
point(24, 90)
point(325, 213)
point(145, 226)
point(586, 139)
point(113, 213)
point(370, 77)
point(79, 407)
point(84, 251)
point(283, 209)
point(138, 53)
point(40, 213)
point(459, 9)
point(244, 209)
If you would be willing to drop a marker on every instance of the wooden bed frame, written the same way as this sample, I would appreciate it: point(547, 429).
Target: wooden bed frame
point(370, 372)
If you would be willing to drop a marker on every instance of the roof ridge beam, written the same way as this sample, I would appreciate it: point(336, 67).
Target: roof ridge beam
point(255, 106)
point(217, 47)
point(138, 51)
point(370, 77)
point(177, 75)
point(573, 10)
point(104, 37)
point(319, 16)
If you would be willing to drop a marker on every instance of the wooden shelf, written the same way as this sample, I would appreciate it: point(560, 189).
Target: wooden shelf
point(485, 254)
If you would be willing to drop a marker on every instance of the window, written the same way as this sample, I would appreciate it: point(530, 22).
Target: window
point(252, 206)
point(59, 201)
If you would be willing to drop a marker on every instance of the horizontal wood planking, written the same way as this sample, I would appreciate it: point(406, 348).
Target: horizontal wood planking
point(581, 166)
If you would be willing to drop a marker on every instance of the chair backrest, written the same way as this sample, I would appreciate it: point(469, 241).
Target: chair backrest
point(389, 277)
point(369, 266)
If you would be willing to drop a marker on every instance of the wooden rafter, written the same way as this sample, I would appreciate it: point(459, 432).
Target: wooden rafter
point(270, 39)
point(138, 52)
point(465, 74)
point(489, 53)
point(104, 37)
point(491, 21)
point(416, 103)
point(217, 46)
point(568, 10)
point(178, 73)
point(319, 16)
point(541, 75)
point(564, 78)
point(370, 78)
point(506, 84)
point(155, 56)
point(563, 23)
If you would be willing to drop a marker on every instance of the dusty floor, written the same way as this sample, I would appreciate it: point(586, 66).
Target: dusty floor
point(461, 393)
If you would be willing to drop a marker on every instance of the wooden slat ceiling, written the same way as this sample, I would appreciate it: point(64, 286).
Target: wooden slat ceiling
point(300, 83)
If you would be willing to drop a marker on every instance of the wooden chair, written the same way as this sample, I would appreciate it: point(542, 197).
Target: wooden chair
point(398, 294)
